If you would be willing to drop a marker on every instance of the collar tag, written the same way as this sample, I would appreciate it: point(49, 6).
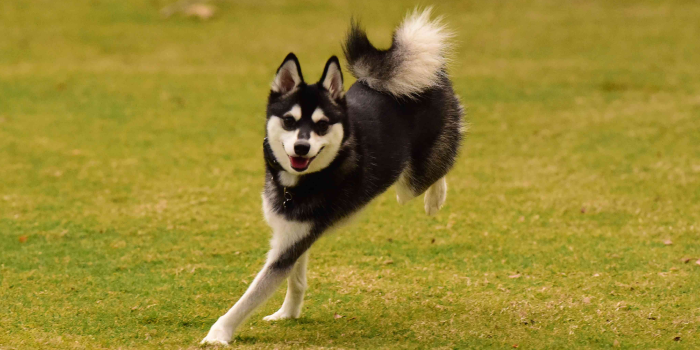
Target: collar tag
point(287, 204)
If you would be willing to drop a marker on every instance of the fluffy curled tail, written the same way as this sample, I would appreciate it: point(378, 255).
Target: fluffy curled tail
point(413, 63)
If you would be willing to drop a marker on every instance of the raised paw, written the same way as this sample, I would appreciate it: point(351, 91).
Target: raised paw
point(404, 193)
point(435, 197)
point(432, 208)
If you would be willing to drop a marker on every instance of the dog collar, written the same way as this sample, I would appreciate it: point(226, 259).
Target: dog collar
point(275, 165)
point(270, 157)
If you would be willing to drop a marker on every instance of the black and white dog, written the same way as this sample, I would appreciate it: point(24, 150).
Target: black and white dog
point(329, 153)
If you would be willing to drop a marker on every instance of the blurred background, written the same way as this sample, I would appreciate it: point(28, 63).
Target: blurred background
point(131, 171)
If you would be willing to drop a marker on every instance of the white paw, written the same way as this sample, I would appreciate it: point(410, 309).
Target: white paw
point(403, 193)
point(217, 336)
point(432, 207)
point(280, 315)
point(435, 197)
point(401, 200)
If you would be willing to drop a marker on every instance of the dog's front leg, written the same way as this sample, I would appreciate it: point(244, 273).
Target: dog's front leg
point(290, 240)
point(296, 286)
point(264, 285)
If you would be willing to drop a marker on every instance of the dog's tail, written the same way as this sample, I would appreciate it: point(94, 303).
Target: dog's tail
point(414, 62)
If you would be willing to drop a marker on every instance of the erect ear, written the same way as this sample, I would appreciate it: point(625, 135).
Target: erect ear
point(332, 78)
point(288, 75)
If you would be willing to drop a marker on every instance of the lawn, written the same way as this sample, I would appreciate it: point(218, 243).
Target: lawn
point(131, 171)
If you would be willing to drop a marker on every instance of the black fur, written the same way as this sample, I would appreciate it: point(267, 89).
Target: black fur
point(359, 50)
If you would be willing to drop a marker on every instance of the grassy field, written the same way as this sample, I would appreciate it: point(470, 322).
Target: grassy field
point(131, 171)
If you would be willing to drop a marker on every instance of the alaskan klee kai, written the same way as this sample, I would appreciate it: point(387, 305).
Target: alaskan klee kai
point(329, 152)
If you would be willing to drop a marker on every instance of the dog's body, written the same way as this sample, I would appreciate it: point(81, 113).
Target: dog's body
point(329, 154)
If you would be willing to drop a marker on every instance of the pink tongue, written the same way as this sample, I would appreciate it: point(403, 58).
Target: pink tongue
point(299, 162)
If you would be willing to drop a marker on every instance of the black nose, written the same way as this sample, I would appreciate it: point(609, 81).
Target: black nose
point(301, 148)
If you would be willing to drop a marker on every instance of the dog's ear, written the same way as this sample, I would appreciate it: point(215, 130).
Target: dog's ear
point(332, 78)
point(288, 75)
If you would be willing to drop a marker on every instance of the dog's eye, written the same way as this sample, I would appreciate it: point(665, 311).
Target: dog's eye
point(322, 127)
point(288, 122)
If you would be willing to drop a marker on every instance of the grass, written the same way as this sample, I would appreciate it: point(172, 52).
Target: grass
point(130, 174)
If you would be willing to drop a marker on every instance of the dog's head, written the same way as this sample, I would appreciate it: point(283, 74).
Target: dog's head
point(306, 124)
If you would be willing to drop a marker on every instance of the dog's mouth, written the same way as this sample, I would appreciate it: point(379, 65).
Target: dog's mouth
point(300, 163)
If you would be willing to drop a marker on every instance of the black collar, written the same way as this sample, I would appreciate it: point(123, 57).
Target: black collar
point(275, 166)
point(270, 157)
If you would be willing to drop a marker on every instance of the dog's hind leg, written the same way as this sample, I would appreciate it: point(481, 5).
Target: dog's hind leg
point(296, 286)
point(404, 192)
point(435, 196)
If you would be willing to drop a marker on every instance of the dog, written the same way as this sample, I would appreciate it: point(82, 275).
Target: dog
point(328, 152)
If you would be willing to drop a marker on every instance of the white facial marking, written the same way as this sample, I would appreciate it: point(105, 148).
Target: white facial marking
point(323, 148)
point(278, 138)
point(295, 112)
point(318, 115)
point(289, 146)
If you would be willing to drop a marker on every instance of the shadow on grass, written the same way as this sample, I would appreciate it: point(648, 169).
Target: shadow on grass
point(269, 337)
point(246, 339)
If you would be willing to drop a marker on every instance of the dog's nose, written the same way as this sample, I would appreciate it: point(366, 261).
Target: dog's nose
point(301, 148)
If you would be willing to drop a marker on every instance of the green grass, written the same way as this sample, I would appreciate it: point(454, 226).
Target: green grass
point(130, 161)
